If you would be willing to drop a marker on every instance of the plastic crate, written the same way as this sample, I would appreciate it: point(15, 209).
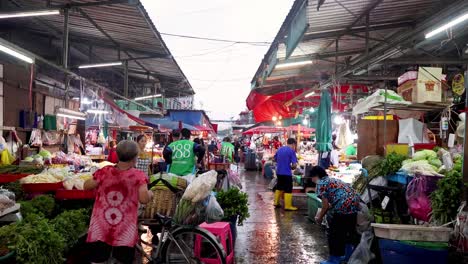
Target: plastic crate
point(7, 177)
point(400, 178)
point(399, 252)
point(41, 187)
point(313, 204)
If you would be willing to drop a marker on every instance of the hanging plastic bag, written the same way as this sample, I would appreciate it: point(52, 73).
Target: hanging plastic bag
point(101, 138)
point(273, 182)
point(234, 179)
point(417, 196)
point(214, 212)
point(364, 219)
point(6, 157)
point(363, 254)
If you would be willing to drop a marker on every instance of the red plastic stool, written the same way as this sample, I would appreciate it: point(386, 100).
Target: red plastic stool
point(222, 232)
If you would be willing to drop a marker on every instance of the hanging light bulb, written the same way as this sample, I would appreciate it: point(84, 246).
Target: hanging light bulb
point(274, 118)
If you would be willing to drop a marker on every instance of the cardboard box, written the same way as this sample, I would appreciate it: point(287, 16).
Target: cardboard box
point(426, 88)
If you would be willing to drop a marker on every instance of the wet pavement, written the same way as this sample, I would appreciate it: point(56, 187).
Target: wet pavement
point(273, 235)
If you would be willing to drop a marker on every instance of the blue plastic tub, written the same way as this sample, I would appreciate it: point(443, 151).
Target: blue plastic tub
point(397, 252)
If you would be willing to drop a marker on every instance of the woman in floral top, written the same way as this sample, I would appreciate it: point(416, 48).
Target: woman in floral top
point(341, 203)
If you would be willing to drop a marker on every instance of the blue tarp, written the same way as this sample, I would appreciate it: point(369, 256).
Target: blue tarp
point(167, 123)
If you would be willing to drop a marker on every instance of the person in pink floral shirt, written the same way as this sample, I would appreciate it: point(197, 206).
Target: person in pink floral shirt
point(113, 230)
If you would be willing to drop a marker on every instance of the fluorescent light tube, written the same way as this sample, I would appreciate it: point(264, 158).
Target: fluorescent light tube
point(30, 13)
point(293, 64)
point(16, 54)
point(309, 94)
point(96, 65)
point(86, 101)
point(147, 97)
point(450, 24)
point(71, 116)
point(97, 111)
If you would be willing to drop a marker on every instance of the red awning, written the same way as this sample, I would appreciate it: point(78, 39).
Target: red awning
point(265, 107)
point(203, 128)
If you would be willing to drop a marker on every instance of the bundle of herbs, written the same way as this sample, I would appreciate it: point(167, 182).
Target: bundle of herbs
point(234, 203)
point(446, 199)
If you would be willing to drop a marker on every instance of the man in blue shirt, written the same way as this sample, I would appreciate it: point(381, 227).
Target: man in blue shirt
point(286, 161)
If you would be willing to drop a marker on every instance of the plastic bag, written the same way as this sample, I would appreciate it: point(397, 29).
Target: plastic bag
point(363, 254)
point(379, 181)
point(201, 187)
point(234, 179)
point(273, 183)
point(214, 212)
point(364, 219)
point(417, 196)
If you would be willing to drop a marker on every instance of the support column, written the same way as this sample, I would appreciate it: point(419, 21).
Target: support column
point(126, 79)
point(367, 42)
point(65, 46)
point(465, 139)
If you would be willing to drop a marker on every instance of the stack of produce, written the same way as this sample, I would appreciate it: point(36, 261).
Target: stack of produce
point(424, 162)
point(45, 235)
point(52, 175)
point(14, 169)
point(43, 157)
point(76, 181)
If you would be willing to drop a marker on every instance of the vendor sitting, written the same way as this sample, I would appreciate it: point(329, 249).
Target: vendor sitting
point(340, 202)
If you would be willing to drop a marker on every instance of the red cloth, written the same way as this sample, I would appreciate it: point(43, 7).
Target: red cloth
point(115, 212)
point(113, 156)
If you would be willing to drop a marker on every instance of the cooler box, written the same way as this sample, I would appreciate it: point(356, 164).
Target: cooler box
point(408, 252)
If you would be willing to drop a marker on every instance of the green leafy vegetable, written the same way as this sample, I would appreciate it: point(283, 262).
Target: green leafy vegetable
point(447, 198)
point(71, 225)
point(42, 205)
point(234, 203)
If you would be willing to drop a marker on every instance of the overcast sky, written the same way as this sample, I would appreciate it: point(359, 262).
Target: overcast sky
point(220, 73)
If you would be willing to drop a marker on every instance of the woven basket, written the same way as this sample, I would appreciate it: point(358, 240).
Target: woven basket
point(164, 201)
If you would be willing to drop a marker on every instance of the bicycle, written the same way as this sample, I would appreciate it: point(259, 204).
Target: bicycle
point(177, 243)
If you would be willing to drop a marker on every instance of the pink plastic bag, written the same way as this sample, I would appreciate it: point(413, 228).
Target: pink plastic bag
point(417, 196)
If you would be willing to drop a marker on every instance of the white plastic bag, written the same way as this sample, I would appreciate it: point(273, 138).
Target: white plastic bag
point(364, 219)
point(379, 181)
point(273, 183)
point(363, 254)
point(234, 179)
point(201, 187)
point(214, 212)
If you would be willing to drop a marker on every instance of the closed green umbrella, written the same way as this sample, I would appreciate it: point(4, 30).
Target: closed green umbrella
point(323, 127)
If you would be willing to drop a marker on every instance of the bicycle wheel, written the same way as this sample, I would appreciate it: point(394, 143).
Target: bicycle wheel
point(192, 245)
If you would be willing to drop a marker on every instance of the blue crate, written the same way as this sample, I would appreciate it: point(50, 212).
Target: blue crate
point(400, 177)
point(398, 252)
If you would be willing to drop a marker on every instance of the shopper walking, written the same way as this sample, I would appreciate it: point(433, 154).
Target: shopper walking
point(183, 154)
point(113, 228)
point(286, 161)
point(112, 156)
point(227, 150)
point(340, 202)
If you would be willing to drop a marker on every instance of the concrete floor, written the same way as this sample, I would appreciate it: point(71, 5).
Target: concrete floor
point(273, 235)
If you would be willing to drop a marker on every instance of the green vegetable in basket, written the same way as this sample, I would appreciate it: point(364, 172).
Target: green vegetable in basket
point(42, 205)
point(425, 154)
point(71, 225)
point(435, 162)
point(234, 203)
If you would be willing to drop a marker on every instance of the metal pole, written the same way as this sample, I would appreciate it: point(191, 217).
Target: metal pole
point(336, 57)
point(65, 38)
point(385, 118)
point(465, 139)
point(126, 79)
point(367, 42)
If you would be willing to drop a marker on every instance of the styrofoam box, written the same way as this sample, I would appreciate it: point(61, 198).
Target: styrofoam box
point(412, 232)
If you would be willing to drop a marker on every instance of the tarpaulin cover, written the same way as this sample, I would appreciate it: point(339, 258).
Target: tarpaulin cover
point(323, 126)
point(215, 128)
point(114, 106)
point(191, 118)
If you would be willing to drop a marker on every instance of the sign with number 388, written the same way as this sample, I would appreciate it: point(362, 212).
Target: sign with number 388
point(182, 151)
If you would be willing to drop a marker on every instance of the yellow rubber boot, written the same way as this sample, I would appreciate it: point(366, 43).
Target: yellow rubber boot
point(288, 202)
point(278, 195)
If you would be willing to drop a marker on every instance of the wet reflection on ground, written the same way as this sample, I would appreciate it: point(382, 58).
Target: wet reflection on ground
point(274, 235)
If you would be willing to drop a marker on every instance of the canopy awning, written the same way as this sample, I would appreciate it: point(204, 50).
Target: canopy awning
point(264, 129)
point(302, 129)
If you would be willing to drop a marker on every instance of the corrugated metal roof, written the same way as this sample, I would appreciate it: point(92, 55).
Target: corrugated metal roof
point(336, 16)
point(127, 25)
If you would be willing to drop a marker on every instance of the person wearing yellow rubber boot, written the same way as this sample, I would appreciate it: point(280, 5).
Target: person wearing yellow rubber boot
point(286, 161)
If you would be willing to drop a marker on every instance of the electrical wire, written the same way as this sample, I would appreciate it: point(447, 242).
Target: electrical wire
point(259, 43)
